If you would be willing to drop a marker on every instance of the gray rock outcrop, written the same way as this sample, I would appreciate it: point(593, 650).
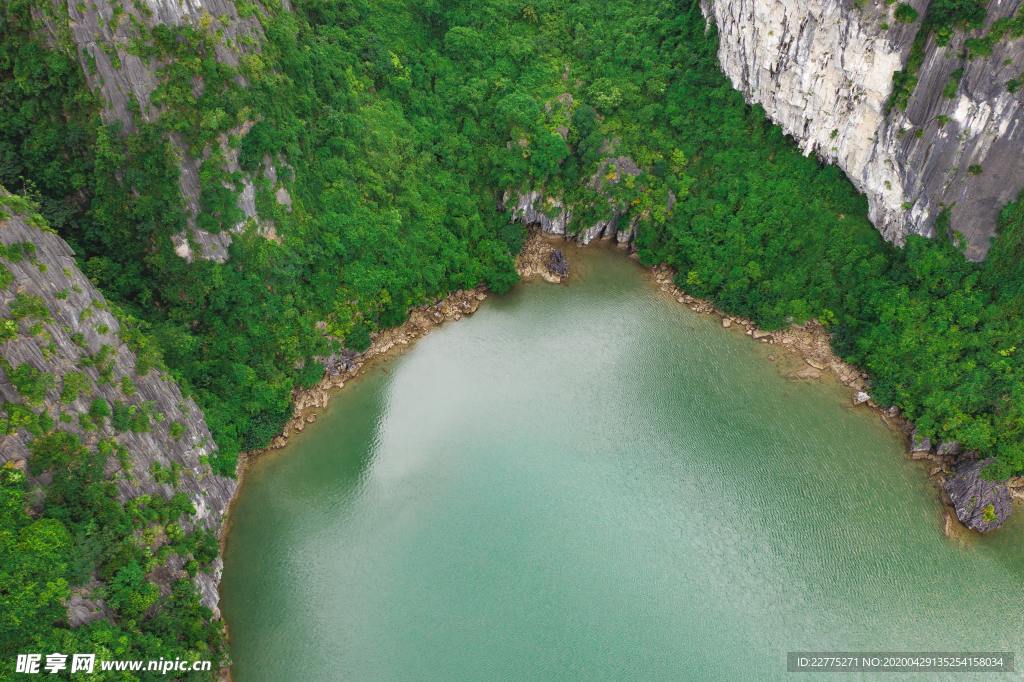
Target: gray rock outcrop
point(78, 333)
point(980, 504)
point(552, 216)
point(823, 70)
point(557, 264)
point(920, 443)
point(104, 33)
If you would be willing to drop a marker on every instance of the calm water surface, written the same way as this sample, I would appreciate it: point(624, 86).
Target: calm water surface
point(593, 482)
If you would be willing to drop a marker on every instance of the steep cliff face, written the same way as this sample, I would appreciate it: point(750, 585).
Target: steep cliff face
point(65, 364)
point(114, 41)
point(104, 30)
point(823, 70)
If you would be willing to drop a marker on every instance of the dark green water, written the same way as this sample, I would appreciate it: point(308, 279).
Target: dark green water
point(593, 482)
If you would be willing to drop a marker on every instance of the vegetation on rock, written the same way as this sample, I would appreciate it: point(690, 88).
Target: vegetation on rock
point(395, 129)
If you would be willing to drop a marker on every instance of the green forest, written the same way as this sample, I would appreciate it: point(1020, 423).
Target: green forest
point(398, 127)
point(81, 534)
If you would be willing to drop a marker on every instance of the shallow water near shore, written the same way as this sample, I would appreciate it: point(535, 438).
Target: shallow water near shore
point(590, 481)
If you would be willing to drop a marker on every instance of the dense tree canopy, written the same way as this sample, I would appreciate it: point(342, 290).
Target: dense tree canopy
point(397, 127)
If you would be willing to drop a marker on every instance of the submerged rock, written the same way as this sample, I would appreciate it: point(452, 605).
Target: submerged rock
point(557, 264)
point(980, 504)
point(806, 374)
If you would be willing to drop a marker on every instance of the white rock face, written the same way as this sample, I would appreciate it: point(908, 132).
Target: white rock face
point(823, 70)
point(533, 208)
point(823, 75)
point(553, 217)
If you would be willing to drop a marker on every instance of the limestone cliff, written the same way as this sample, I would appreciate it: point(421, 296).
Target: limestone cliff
point(979, 504)
point(56, 325)
point(114, 42)
point(617, 222)
point(823, 70)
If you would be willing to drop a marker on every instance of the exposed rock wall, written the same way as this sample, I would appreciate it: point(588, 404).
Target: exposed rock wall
point(979, 504)
point(552, 216)
point(823, 70)
point(103, 29)
point(104, 33)
point(80, 334)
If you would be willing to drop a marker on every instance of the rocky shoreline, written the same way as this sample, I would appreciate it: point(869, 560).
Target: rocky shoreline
point(536, 260)
point(954, 473)
point(540, 259)
point(969, 501)
point(345, 366)
point(955, 476)
point(309, 403)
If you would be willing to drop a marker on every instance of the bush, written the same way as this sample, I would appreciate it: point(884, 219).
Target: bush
point(31, 383)
point(905, 13)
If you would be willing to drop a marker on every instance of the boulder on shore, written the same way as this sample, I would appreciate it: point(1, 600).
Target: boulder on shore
point(980, 504)
point(557, 264)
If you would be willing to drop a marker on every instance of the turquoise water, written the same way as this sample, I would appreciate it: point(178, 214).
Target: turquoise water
point(590, 481)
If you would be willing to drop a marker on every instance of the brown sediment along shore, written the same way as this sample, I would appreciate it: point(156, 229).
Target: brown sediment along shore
point(811, 344)
point(807, 347)
point(309, 403)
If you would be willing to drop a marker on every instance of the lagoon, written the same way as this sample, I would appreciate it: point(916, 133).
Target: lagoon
point(590, 481)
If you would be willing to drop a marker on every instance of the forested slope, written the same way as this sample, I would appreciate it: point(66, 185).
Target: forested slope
point(395, 128)
point(109, 511)
point(288, 188)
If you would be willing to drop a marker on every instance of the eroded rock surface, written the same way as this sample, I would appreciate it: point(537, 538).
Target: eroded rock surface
point(105, 34)
point(557, 264)
point(980, 504)
point(823, 70)
point(76, 332)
